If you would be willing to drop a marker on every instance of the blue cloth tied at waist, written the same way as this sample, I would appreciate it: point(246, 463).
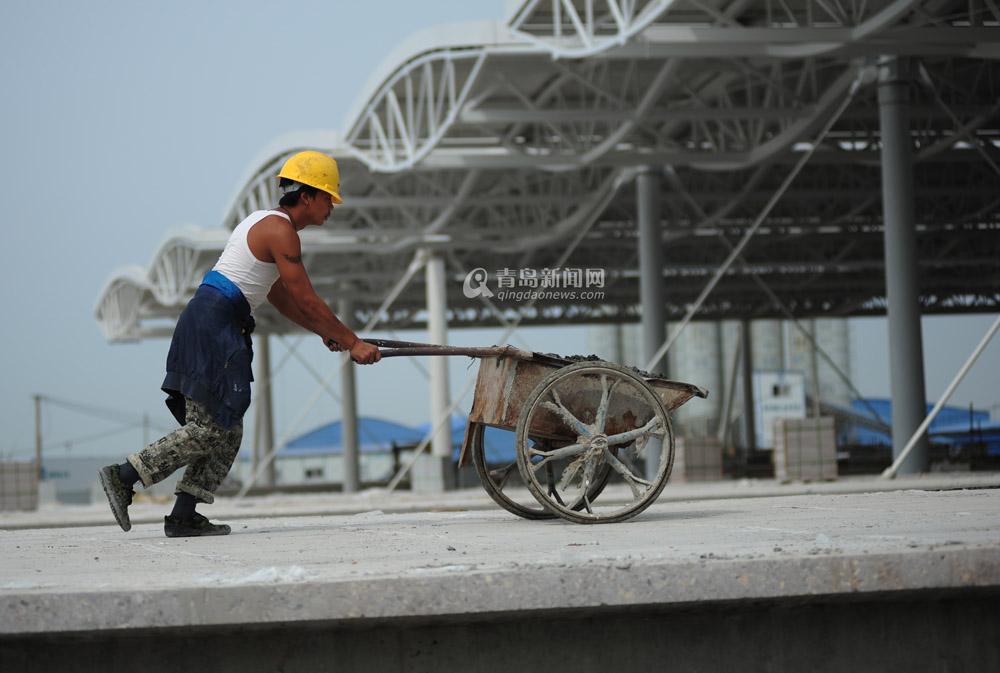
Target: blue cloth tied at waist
point(211, 352)
point(227, 287)
point(234, 294)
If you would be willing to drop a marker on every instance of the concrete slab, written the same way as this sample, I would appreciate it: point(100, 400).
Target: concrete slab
point(470, 558)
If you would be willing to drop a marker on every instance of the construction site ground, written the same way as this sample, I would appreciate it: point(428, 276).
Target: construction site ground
point(413, 581)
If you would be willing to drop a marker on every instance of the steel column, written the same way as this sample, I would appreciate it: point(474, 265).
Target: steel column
point(437, 327)
point(349, 414)
point(906, 368)
point(749, 406)
point(264, 419)
point(38, 437)
point(651, 295)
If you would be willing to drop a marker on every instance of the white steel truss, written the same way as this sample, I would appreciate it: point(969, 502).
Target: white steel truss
point(498, 143)
point(412, 113)
point(575, 28)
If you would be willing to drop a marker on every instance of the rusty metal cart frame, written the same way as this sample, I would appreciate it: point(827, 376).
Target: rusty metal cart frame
point(575, 424)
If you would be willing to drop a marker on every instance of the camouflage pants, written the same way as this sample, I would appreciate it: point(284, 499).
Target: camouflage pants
point(202, 444)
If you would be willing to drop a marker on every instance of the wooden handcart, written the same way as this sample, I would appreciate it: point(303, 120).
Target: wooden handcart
point(578, 427)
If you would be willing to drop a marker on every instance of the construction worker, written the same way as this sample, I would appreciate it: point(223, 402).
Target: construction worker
point(208, 365)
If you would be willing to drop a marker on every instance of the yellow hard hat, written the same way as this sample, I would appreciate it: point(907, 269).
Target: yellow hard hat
point(316, 170)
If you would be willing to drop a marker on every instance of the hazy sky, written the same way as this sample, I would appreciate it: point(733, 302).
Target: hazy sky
point(121, 119)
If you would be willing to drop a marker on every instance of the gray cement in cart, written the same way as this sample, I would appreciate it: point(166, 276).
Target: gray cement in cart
point(374, 559)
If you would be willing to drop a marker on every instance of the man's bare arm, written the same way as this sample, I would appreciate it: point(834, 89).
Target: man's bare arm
point(298, 301)
point(281, 300)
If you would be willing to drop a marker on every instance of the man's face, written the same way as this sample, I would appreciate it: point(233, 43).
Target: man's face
point(319, 207)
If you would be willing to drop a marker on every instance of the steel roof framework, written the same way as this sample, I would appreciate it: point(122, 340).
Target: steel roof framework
point(501, 144)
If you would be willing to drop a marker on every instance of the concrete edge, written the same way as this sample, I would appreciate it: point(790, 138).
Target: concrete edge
point(457, 591)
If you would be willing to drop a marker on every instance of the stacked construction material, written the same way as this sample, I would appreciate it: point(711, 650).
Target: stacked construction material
point(805, 449)
point(697, 459)
point(18, 486)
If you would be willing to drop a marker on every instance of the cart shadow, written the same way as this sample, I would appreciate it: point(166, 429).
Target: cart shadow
point(681, 516)
point(644, 517)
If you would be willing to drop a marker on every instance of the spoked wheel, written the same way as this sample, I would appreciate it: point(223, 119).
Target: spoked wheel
point(502, 481)
point(608, 409)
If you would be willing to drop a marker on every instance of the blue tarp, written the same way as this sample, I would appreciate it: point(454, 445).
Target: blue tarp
point(374, 436)
point(984, 433)
point(378, 436)
point(497, 444)
point(949, 422)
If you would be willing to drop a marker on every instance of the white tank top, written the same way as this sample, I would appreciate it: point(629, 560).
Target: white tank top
point(237, 263)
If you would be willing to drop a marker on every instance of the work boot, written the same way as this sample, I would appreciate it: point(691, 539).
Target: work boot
point(192, 526)
point(119, 495)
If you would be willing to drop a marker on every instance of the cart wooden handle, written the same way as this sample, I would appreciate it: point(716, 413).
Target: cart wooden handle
point(391, 348)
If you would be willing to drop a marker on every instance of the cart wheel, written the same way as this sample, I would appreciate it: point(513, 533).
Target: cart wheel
point(504, 485)
point(607, 408)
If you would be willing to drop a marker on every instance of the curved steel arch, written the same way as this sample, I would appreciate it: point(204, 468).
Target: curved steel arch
point(413, 111)
point(495, 148)
point(184, 256)
point(120, 303)
point(261, 191)
point(586, 28)
point(581, 28)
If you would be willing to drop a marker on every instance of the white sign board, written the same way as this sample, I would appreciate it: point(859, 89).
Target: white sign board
point(777, 395)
